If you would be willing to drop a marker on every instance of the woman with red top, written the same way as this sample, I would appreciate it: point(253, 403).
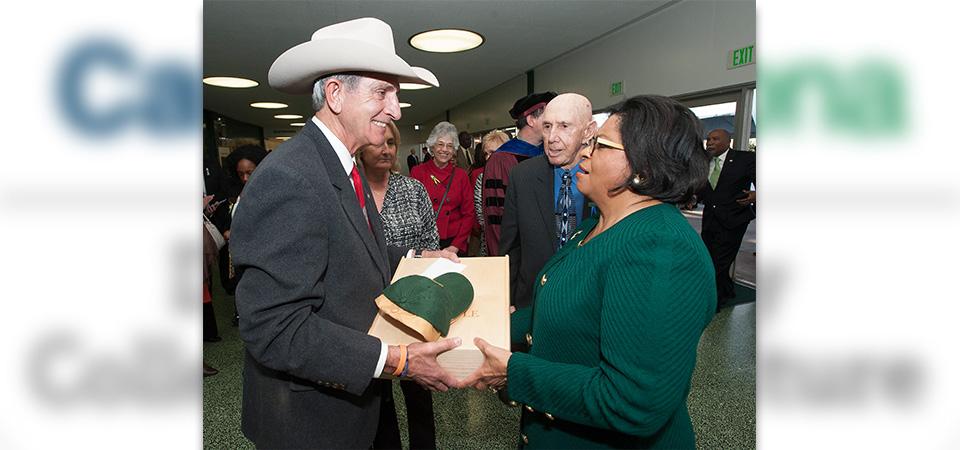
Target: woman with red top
point(449, 188)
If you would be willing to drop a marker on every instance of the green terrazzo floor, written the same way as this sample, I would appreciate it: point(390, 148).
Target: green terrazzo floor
point(722, 398)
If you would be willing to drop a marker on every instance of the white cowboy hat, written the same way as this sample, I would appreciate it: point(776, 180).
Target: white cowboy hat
point(359, 45)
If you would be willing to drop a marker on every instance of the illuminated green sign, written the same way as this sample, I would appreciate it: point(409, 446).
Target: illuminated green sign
point(740, 57)
point(616, 88)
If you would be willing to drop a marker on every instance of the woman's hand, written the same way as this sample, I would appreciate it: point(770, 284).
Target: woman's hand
point(209, 209)
point(445, 253)
point(493, 372)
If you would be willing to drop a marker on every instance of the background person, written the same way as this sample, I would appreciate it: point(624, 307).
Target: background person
point(449, 189)
point(488, 144)
point(210, 247)
point(408, 221)
point(240, 164)
point(403, 203)
point(544, 205)
point(412, 160)
point(614, 371)
point(727, 207)
point(243, 161)
point(526, 112)
point(464, 155)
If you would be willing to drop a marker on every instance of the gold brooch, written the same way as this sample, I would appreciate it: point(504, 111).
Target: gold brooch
point(435, 179)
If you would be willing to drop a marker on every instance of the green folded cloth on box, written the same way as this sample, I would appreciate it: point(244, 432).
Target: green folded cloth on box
point(437, 302)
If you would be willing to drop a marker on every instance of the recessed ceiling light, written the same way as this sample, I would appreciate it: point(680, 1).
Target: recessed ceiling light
point(416, 127)
point(268, 105)
point(298, 124)
point(447, 40)
point(414, 86)
point(288, 116)
point(230, 82)
point(405, 105)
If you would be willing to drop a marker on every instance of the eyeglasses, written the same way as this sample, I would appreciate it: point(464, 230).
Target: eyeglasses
point(603, 144)
point(439, 145)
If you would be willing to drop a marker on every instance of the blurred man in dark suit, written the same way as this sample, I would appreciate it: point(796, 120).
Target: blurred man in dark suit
point(728, 206)
point(412, 160)
point(464, 155)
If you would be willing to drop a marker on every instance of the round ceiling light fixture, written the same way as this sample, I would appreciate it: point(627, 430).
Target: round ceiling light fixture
point(414, 86)
point(288, 116)
point(230, 82)
point(268, 105)
point(446, 40)
point(405, 105)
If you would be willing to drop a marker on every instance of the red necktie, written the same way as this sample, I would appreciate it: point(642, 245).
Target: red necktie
point(358, 189)
point(357, 186)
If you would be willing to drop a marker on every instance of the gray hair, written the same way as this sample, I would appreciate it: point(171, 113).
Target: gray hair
point(442, 129)
point(350, 81)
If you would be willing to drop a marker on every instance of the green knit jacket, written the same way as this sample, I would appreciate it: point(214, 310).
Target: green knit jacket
point(614, 329)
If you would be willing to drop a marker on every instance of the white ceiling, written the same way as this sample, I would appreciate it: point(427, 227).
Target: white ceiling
point(242, 38)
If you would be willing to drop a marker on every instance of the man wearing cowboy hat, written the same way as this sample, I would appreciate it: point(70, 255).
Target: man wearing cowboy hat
point(309, 242)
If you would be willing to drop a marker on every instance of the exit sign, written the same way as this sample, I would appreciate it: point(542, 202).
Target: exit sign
point(740, 57)
point(616, 88)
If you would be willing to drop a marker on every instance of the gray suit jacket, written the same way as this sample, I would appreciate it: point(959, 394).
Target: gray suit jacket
point(310, 268)
point(528, 232)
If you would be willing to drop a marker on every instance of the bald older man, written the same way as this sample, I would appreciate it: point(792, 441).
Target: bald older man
point(543, 206)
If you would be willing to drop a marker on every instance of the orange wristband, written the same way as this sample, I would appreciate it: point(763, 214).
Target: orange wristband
point(403, 361)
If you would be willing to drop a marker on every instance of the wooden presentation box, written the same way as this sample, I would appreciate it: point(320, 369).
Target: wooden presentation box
point(487, 317)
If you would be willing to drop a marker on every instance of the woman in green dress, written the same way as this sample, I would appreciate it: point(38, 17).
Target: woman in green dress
point(619, 310)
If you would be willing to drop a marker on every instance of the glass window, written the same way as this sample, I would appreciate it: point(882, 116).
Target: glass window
point(718, 115)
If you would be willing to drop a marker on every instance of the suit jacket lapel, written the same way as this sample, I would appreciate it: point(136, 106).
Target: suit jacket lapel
point(727, 169)
point(348, 198)
point(543, 192)
point(376, 226)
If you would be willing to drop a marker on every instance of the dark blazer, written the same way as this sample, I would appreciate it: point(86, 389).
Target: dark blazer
point(311, 267)
point(739, 170)
point(411, 162)
point(528, 232)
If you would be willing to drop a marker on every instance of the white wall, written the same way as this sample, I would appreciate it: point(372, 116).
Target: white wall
point(489, 110)
point(679, 50)
point(483, 112)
